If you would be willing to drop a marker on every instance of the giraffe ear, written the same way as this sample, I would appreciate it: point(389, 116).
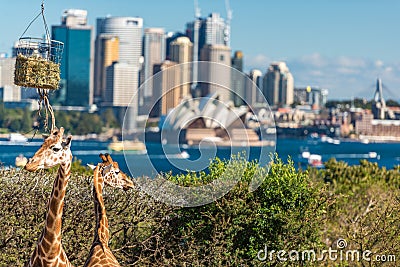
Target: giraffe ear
point(103, 157)
point(45, 136)
point(67, 143)
point(109, 159)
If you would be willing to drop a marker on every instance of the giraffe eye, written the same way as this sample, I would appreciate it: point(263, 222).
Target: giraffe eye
point(56, 149)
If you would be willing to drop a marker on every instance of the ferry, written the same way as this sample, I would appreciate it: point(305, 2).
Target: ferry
point(17, 138)
point(127, 145)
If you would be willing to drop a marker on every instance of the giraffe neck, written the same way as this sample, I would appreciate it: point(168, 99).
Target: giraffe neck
point(102, 233)
point(50, 241)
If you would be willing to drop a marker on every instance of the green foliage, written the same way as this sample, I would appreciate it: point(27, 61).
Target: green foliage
point(286, 212)
point(109, 119)
point(290, 210)
point(74, 122)
point(88, 123)
point(366, 211)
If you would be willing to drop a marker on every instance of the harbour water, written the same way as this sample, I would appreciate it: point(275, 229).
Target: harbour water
point(385, 154)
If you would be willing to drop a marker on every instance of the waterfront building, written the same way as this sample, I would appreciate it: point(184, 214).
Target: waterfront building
point(367, 127)
point(278, 85)
point(76, 70)
point(218, 76)
point(314, 96)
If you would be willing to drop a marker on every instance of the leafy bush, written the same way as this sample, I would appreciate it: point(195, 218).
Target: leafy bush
point(290, 210)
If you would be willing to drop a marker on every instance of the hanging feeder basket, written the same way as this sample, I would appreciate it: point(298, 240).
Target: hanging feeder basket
point(38, 63)
point(38, 60)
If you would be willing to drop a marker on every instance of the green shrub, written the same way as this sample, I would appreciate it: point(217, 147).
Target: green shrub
point(291, 209)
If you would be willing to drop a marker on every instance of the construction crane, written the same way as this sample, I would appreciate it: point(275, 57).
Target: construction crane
point(227, 31)
point(196, 28)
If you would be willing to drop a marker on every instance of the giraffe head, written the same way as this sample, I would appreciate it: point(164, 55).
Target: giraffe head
point(111, 173)
point(55, 150)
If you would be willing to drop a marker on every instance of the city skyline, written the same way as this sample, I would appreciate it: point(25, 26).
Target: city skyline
point(342, 46)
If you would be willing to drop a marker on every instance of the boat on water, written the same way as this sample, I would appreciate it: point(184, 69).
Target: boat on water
point(315, 160)
point(17, 138)
point(127, 145)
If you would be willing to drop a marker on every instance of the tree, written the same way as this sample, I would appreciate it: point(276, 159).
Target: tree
point(89, 123)
point(109, 119)
point(27, 122)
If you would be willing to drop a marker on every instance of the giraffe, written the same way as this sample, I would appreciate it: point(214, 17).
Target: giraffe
point(55, 150)
point(106, 172)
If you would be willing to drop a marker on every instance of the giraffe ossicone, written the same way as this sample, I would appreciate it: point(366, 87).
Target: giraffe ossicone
point(55, 150)
point(105, 173)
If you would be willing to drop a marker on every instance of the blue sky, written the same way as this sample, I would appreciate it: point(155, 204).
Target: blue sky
point(342, 45)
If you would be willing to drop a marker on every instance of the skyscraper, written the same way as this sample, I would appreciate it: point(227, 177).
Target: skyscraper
point(218, 76)
point(166, 82)
point(278, 85)
point(76, 87)
point(107, 52)
point(122, 80)
point(238, 79)
point(181, 50)
point(253, 94)
point(212, 31)
point(154, 53)
point(9, 91)
point(129, 30)
point(170, 37)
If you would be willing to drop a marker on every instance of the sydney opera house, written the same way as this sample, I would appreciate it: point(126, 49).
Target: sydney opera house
point(208, 120)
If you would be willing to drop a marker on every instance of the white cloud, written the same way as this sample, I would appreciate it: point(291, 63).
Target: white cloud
point(348, 62)
point(259, 61)
point(378, 63)
point(315, 60)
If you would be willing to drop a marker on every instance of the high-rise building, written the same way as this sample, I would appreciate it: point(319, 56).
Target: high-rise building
point(122, 79)
point(107, 52)
point(76, 85)
point(9, 91)
point(278, 85)
point(129, 30)
point(119, 92)
point(119, 86)
point(314, 96)
point(218, 76)
point(167, 82)
point(253, 87)
point(212, 31)
point(154, 53)
point(238, 79)
point(170, 37)
point(181, 53)
point(181, 50)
